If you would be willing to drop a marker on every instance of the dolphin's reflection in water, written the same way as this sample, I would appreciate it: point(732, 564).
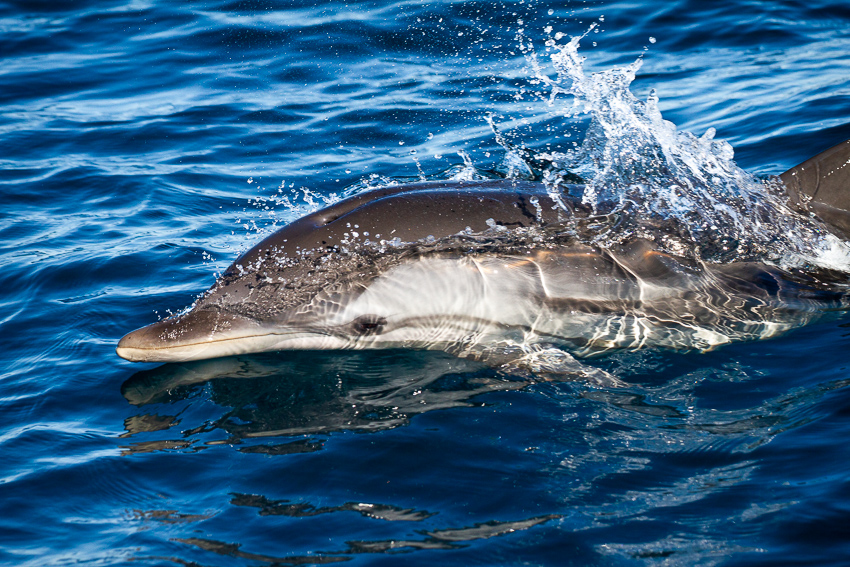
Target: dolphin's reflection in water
point(305, 393)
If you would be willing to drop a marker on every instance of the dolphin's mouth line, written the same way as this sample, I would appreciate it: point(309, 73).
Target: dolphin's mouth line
point(214, 341)
point(334, 331)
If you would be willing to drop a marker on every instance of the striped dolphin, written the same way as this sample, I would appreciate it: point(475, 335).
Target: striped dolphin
point(342, 278)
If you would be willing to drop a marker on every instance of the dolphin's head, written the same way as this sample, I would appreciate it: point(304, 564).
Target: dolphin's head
point(214, 330)
point(331, 281)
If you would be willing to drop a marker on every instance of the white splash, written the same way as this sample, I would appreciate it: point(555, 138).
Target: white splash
point(640, 167)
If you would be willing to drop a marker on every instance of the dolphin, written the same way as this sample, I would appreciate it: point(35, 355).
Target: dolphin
point(490, 270)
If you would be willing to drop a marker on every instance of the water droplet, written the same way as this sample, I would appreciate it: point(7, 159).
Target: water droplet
point(652, 39)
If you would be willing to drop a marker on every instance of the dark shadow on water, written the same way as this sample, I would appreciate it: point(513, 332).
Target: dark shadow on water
point(429, 540)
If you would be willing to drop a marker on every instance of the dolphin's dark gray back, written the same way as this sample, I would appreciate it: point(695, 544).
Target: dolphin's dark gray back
point(825, 180)
point(412, 212)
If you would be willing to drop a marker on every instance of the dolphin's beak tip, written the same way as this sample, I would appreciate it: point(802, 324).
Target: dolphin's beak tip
point(141, 345)
point(127, 350)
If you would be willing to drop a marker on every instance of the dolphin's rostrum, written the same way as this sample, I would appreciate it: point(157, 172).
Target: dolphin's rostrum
point(489, 270)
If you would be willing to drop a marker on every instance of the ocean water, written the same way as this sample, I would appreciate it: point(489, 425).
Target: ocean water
point(144, 144)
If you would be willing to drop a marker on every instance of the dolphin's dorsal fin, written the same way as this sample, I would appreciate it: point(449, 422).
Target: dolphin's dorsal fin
point(822, 184)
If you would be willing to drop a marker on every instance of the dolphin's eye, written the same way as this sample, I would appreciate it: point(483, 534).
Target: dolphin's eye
point(369, 325)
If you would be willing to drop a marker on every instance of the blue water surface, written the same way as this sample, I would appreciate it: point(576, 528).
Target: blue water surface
point(135, 138)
